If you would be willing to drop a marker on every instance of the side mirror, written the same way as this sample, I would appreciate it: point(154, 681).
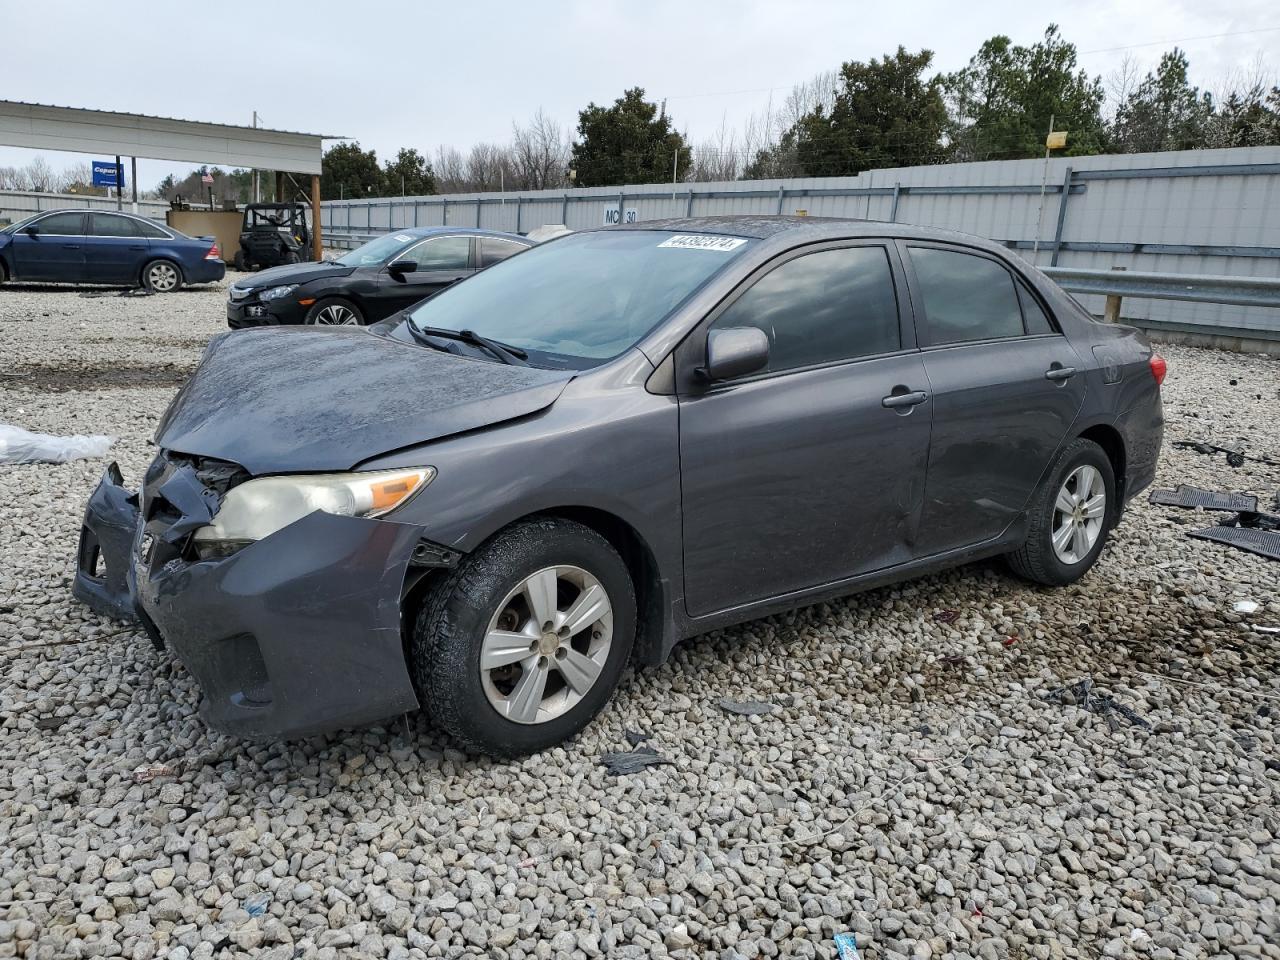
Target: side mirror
point(735, 352)
point(398, 267)
point(31, 231)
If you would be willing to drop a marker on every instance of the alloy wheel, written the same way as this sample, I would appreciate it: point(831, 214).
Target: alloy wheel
point(336, 315)
point(546, 645)
point(1078, 514)
point(162, 277)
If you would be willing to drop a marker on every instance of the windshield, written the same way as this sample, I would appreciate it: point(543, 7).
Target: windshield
point(581, 299)
point(14, 227)
point(377, 251)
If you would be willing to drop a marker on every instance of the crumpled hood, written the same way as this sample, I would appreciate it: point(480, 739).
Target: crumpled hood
point(302, 399)
point(293, 273)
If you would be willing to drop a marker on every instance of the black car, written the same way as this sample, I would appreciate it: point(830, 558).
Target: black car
point(371, 282)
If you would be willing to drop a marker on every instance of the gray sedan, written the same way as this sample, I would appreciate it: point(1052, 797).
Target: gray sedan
point(488, 504)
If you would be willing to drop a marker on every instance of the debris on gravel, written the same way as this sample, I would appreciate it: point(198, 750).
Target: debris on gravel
point(917, 791)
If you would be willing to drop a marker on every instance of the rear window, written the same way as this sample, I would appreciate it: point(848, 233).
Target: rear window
point(966, 297)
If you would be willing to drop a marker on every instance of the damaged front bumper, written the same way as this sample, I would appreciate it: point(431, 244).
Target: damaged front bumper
point(297, 633)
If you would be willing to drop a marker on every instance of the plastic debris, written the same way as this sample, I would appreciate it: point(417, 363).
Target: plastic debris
point(947, 616)
point(620, 764)
point(256, 905)
point(1235, 456)
point(634, 737)
point(1188, 496)
point(1082, 694)
point(846, 946)
point(148, 772)
point(1245, 606)
point(747, 708)
point(23, 446)
point(1011, 639)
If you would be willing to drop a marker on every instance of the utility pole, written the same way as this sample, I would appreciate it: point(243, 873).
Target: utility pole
point(1035, 247)
point(256, 186)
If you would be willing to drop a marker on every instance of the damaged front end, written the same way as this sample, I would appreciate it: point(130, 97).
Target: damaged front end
point(296, 633)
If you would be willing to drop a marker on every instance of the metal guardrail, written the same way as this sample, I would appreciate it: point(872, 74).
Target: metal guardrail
point(1196, 288)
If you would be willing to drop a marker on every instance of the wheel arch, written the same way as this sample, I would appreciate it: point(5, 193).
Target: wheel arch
point(1111, 441)
point(654, 627)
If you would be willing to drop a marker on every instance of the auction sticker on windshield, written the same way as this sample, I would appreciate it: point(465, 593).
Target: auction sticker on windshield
point(703, 242)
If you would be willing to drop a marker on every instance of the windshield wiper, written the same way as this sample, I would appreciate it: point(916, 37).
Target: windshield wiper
point(503, 351)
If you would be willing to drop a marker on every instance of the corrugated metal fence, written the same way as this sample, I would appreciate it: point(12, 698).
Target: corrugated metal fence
point(1195, 211)
point(15, 205)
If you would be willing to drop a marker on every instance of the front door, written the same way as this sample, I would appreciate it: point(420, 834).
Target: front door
point(800, 475)
point(115, 249)
point(440, 261)
point(54, 251)
point(1006, 387)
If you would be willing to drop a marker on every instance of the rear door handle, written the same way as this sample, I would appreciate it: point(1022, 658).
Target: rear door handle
point(138, 248)
point(911, 399)
point(71, 246)
point(1060, 373)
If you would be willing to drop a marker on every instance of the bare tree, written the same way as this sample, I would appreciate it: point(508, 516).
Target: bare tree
point(717, 158)
point(450, 170)
point(489, 168)
point(1120, 83)
point(41, 177)
point(540, 153)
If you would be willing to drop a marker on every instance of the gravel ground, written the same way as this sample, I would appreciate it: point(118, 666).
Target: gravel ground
point(913, 784)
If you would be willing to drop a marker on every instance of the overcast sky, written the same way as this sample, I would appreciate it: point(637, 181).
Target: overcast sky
point(422, 74)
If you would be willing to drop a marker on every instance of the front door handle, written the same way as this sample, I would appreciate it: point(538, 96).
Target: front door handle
point(1058, 372)
point(137, 248)
point(906, 399)
point(71, 246)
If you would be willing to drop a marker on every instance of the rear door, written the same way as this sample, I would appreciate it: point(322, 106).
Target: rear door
point(115, 249)
point(1006, 387)
point(55, 252)
point(801, 475)
point(440, 261)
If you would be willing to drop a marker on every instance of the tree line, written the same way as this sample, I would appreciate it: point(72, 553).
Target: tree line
point(890, 111)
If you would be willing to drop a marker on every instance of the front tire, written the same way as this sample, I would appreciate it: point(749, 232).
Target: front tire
point(1071, 514)
point(522, 645)
point(161, 276)
point(334, 312)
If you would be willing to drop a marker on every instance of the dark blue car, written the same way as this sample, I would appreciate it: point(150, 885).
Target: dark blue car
point(88, 246)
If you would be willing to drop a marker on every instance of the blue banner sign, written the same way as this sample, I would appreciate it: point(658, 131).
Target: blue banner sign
point(104, 174)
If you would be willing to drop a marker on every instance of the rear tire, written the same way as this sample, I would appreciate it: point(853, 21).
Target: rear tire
point(241, 263)
point(291, 258)
point(334, 312)
point(162, 276)
point(1070, 517)
point(550, 606)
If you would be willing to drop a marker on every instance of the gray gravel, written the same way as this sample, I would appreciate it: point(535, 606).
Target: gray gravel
point(914, 782)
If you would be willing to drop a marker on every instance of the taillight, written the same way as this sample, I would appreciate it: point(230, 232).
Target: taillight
point(1158, 368)
point(214, 253)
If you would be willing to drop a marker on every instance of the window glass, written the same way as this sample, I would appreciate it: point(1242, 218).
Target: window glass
point(150, 230)
point(586, 297)
point(822, 307)
point(62, 225)
point(966, 297)
point(1033, 313)
point(113, 225)
point(492, 250)
point(445, 253)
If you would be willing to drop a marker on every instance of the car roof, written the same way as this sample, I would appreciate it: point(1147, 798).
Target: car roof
point(121, 213)
point(794, 229)
point(452, 231)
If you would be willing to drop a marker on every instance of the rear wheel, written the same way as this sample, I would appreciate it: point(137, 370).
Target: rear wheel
point(334, 312)
point(161, 276)
point(521, 646)
point(240, 262)
point(291, 257)
point(1070, 517)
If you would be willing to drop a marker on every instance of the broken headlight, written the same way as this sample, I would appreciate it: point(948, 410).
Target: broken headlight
point(258, 508)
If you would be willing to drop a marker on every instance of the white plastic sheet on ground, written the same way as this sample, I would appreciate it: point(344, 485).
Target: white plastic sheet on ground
point(22, 446)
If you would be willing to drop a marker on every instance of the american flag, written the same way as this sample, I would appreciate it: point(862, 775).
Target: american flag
point(206, 177)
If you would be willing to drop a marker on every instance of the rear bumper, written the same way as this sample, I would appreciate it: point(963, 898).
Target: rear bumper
point(298, 633)
point(204, 271)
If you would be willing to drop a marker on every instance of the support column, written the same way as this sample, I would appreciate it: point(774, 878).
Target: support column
point(279, 186)
point(317, 242)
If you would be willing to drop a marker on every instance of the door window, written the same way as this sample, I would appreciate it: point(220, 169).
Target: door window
point(1037, 321)
point(492, 250)
point(966, 297)
point(61, 225)
point(443, 253)
point(113, 225)
point(822, 307)
point(150, 230)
